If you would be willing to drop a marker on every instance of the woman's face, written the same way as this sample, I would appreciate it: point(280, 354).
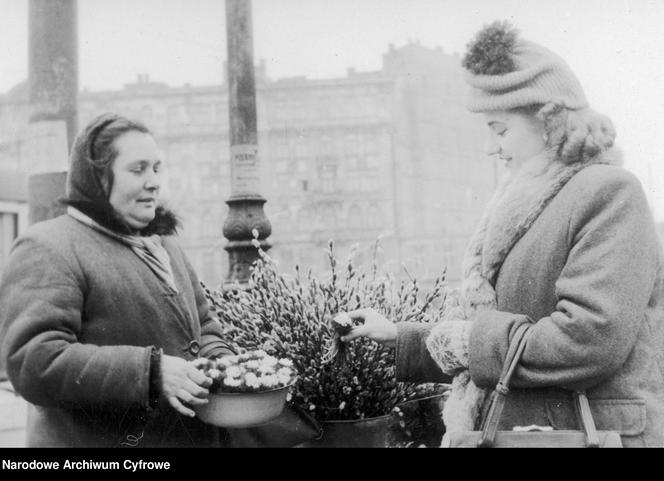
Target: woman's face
point(136, 178)
point(515, 137)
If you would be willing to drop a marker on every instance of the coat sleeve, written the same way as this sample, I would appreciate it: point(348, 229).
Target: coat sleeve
point(42, 299)
point(413, 361)
point(212, 336)
point(602, 291)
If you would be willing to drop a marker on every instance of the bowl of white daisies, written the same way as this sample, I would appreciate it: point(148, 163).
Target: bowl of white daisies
point(247, 390)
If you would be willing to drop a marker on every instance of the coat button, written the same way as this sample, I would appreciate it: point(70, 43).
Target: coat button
point(193, 347)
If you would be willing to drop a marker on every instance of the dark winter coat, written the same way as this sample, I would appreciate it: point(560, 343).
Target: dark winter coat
point(84, 319)
point(82, 312)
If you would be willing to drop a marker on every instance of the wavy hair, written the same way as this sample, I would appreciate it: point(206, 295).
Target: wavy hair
point(575, 135)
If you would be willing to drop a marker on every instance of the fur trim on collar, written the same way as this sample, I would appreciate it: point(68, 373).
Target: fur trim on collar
point(516, 204)
point(165, 221)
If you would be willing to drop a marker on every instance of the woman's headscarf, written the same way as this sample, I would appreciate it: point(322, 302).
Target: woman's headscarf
point(85, 182)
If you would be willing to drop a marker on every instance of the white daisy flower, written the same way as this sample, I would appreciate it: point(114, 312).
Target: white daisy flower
point(269, 381)
point(231, 382)
point(251, 380)
point(253, 364)
point(233, 371)
point(286, 362)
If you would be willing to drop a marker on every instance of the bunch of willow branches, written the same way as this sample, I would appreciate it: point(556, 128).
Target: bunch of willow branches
point(291, 317)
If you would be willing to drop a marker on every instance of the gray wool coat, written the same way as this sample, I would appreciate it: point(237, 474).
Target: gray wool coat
point(589, 275)
point(81, 313)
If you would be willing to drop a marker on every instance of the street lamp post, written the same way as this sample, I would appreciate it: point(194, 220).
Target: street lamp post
point(245, 203)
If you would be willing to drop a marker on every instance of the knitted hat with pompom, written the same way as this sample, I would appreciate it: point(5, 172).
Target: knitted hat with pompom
point(506, 72)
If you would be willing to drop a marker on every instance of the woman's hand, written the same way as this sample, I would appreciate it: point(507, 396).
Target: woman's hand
point(374, 326)
point(182, 383)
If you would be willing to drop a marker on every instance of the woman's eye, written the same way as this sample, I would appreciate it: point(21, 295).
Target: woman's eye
point(501, 133)
point(138, 170)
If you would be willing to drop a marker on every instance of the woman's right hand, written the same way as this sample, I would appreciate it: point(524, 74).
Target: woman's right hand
point(374, 326)
point(182, 383)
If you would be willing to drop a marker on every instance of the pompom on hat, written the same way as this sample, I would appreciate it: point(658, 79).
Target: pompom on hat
point(507, 72)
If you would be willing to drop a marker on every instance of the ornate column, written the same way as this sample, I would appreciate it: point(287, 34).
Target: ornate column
point(53, 85)
point(245, 203)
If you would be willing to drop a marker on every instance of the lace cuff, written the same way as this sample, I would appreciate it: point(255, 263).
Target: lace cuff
point(448, 345)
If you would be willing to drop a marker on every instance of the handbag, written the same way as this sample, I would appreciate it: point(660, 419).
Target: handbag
point(533, 436)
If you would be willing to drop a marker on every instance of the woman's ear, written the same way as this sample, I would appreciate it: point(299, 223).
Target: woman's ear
point(554, 116)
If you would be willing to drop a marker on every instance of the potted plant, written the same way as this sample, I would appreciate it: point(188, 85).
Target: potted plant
point(291, 317)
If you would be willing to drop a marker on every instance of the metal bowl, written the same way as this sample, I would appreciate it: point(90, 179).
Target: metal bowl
point(243, 410)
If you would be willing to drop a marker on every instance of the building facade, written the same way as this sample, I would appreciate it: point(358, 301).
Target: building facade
point(390, 154)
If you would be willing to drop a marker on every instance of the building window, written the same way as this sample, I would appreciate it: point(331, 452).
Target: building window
point(281, 166)
point(367, 181)
point(301, 165)
point(301, 147)
point(374, 217)
point(328, 218)
point(177, 115)
point(281, 147)
point(352, 144)
point(147, 114)
point(306, 219)
point(354, 218)
point(328, 173)
point(201, 114)
point(209, 186)
point(300, 110)
point(208, 153)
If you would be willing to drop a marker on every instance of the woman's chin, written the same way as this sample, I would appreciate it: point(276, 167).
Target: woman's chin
point(139, 223)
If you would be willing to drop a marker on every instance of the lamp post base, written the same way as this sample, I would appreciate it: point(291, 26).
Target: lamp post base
point(245, 216)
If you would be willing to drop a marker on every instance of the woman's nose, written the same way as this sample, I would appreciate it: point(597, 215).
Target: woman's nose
point(153, 181)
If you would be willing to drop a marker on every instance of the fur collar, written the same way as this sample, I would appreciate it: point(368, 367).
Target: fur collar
point(165, 221)
point(516, 204)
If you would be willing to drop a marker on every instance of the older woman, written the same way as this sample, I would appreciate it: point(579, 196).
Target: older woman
point(566, 244)
point(102, 309)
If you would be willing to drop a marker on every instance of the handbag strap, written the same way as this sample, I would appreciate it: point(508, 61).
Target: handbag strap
point(499, 395)
point(583, 408)
point(490, 425)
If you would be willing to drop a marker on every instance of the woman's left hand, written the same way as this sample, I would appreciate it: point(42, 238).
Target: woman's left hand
point(183, 383)
point(374, 326)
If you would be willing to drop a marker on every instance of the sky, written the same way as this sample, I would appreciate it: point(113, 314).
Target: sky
point(616, 48)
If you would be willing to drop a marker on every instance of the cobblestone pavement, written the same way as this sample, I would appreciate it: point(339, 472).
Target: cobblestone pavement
point(13, 411)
